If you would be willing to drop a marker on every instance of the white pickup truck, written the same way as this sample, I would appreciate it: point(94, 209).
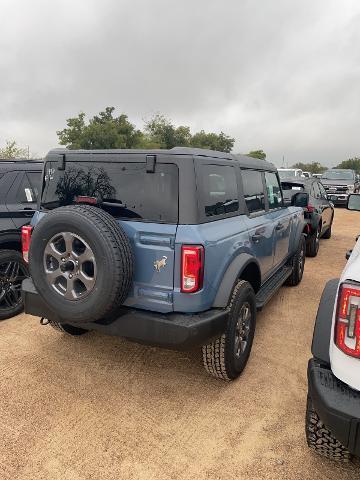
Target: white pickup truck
point(333, 407)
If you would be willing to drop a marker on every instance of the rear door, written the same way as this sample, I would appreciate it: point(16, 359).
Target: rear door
point(143, 200)
point(280, 216)
point(260, 224)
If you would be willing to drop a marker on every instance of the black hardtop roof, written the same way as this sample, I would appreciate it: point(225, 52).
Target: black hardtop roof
point(244, 160)
point(20, 164)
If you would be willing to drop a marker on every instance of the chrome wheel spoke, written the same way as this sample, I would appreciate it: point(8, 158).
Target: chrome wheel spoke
point(69, 240)
point(51, 251)
point(69, 293)
point(87, 281)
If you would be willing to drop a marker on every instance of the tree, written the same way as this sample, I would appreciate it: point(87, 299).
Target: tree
point(351, 163)
point(12, 151)
point(257, 154)
point(314, 167)
point(213, 141)
point(103, 131)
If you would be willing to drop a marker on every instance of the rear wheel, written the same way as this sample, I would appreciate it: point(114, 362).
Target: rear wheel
point(226, 356)
point(297, 263)
point(13, 270)
point(327, 234)
point(313, 243)
point(320, 439)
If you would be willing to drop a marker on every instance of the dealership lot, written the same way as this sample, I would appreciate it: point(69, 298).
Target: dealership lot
point(103, 408)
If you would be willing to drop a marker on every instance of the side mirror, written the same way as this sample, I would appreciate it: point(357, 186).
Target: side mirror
point(300, 199)
point(354, 202)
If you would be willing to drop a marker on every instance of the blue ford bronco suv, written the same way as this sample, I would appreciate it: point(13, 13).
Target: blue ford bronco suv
point(168, 247)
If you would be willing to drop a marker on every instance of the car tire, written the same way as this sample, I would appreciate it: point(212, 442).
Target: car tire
point(13, 270)
point(67, 329)
point(320, 439)
point(226, 356)
point(297, 264)
point(92, 238)
point(313, 243)
point(327, 233)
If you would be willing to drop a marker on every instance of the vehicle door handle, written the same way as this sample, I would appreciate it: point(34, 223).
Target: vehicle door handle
point(279, 226)
point(256, 238)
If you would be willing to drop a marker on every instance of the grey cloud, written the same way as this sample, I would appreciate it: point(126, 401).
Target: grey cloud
point(277, 75)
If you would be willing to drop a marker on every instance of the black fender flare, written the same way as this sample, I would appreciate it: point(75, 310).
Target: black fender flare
point(322, 330)
point(232, 274)
point(12, 236)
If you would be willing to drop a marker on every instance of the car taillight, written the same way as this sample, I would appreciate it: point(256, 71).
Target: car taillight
point(310, 208)
point(192, 268)
point(347, 328)
point(25, 241)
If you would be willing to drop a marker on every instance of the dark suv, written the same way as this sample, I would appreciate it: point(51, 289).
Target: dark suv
point(319, 212)
point(19, 186)
point(339, 184)
point(171, 248)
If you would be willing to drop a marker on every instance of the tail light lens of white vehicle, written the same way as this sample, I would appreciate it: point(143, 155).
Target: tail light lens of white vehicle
point(192, 268)
point(25, 241)
point(347, 328)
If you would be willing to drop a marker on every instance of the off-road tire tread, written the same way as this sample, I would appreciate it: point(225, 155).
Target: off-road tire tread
point(15, 311)
point(321, 440)
point(63, 329)
point(214, 353)
point(293, 279)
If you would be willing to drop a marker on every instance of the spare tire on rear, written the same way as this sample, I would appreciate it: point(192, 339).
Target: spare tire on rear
point(81, 263)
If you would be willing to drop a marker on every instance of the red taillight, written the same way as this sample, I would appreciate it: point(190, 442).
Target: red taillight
point(25, 241)
point(310, 209)
point(192, 268)
point(347, 328)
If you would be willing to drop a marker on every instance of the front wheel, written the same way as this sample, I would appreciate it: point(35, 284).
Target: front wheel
point(226, 356)
point(313, 243)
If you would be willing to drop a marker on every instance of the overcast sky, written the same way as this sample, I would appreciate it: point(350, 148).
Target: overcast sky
point(279, 75)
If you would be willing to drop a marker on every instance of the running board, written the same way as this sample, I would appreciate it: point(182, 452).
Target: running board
point(271, 286)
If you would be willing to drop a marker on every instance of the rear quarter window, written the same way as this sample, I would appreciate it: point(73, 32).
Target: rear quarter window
point(126, 189)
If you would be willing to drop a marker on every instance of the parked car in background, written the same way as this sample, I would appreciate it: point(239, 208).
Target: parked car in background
point(317, 175)
point(307, 174)
point(319, 213)
point(333, 406)
point(171, 248)
point(19, 187)
point(339, 183)
point(290, 172)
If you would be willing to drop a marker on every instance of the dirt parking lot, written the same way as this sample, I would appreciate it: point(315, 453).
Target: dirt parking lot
point(97, 407)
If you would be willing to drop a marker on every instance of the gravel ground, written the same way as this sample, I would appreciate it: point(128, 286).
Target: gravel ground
point(97, 407)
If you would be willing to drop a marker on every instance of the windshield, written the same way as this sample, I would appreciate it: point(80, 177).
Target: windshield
point(289, 173)
point(338, 175)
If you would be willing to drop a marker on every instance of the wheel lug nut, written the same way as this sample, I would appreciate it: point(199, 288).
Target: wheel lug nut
point(70, 276)
point(63, 259)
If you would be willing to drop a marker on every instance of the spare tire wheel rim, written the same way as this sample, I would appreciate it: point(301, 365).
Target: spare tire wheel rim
point(70, 265)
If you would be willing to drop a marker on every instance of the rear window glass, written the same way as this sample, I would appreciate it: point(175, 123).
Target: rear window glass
point(219, 190)
point(253, 190)
point(126, 189)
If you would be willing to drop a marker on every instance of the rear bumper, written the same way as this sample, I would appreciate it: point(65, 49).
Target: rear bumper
point(173, 330)
point(337, 405)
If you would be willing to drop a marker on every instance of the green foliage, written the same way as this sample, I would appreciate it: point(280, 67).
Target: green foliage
point(314, 167)
point(102, 132)
point(105, 131)
point(351, 163)
point(257, 154)
point(12, 151)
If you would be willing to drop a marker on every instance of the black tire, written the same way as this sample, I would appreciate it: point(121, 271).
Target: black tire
point(67, 329)
point(13, 270)
point(313, 243)
point(112, 255)
point(320, 439)
point(327, 233)
point(297, 264)
point(222, 357)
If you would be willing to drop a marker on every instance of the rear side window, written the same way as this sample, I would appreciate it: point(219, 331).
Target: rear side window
point(273, 190)
point(126, 189)
point(219, 190)
point(28, 191)
point(253, 190)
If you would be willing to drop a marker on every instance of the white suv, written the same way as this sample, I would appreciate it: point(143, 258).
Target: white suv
point(333, 407)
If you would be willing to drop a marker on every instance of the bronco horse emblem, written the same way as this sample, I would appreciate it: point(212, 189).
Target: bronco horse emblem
point(160, 264)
